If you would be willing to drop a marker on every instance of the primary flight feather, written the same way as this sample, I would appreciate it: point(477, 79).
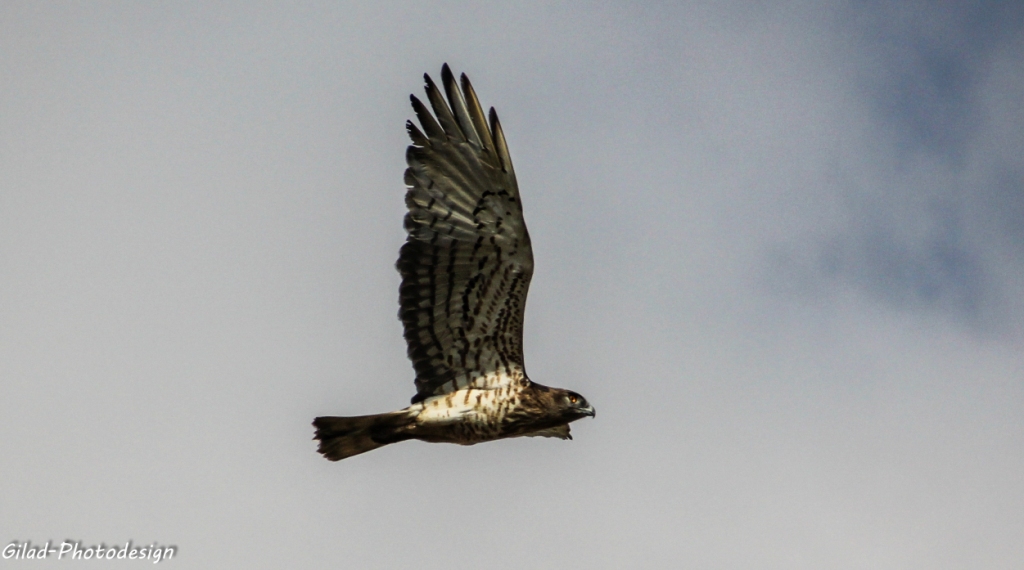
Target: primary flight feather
point(466, 268)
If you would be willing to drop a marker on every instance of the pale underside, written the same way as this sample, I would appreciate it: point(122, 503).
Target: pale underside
point(473, 415)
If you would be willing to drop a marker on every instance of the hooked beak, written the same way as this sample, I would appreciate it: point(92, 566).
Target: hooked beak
point(589, 411)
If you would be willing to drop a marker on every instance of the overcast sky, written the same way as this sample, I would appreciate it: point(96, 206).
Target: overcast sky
point(779, 247)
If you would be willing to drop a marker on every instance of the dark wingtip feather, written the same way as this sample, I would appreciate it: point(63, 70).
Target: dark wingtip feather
point(433, 130)
point(441, 111)
point(460, 107)
point(417, 136)
point(476, 113)
point(499, 142)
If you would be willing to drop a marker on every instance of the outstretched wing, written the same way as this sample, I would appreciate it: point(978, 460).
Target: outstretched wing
point(467, 262)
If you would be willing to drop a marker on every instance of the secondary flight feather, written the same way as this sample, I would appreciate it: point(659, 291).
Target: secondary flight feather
point(466, 267)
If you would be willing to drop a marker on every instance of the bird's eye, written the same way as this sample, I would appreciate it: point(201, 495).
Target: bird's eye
point(573, 399)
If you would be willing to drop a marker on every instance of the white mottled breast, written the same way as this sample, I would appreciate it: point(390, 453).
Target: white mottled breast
point(441, 409)
point(513, 376)
point(474, 414)
point(467, 404)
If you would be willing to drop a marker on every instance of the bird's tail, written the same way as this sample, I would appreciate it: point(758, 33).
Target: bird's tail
point(345, 437)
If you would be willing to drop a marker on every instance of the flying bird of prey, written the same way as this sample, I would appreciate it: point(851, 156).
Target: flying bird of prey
point(466, 267)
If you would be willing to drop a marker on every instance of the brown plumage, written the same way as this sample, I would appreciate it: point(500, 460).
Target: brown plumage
point(466, 268)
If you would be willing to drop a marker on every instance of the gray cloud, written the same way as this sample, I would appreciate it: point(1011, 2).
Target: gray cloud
point(932, 194)
point(925, 65)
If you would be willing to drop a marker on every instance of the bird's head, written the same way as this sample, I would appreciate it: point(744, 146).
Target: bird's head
point(561, 406)
point(575, 406)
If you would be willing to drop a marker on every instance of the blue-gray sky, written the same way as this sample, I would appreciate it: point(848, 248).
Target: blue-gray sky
point(779, 246)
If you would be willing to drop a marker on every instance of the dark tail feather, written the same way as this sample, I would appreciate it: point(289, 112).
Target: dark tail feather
point(345, 437)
